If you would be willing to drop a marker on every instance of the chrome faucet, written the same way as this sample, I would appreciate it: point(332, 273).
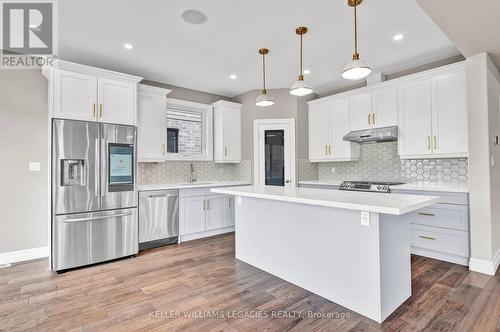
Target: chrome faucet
point(191, 173)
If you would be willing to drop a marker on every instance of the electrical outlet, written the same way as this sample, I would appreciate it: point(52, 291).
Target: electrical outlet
point(333, 170)
point(34, 166)
point(365, 218)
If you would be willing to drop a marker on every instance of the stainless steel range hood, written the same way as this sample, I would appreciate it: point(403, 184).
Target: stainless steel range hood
point(375, 135)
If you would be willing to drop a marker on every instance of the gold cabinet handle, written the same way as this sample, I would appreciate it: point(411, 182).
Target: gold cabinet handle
point(428, 142)
point(427, 237)
point(326, 149)
point(204, 204)
point(329, 149)
point(427, 214)
point(435, 143)
point(225, 151)
point(100, 110)
point(369, 118)
point(373, 118)
point(163, 145)
point(208, 204)
point(93, 111)
point(229, 202)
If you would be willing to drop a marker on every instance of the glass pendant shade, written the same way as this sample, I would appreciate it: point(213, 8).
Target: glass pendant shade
point(264, 100)
point(356, 70)
point(300, 88)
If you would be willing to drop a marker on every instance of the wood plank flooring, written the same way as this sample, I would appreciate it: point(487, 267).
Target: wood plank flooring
point(199, 286)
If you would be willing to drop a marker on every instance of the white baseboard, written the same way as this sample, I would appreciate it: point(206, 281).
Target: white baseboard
point(484, 266)
point(23, 255)
point(189, 237)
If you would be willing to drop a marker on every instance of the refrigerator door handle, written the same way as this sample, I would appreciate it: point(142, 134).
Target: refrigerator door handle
point(98, 170)
point(103, 163)
point(98, 217)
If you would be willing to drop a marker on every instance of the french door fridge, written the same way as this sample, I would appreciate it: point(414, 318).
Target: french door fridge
point(94, 196)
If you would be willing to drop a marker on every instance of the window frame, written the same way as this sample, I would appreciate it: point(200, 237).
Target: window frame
point(207, 123)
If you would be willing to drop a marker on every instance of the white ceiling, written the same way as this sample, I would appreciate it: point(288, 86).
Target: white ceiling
point(471, 25)
point(169, 50)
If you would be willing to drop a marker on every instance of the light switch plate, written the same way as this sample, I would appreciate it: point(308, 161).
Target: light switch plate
point(365, 218)
point(34, 166)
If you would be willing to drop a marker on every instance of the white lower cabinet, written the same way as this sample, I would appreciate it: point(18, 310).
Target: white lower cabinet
point(441, 231)
point(203, 213)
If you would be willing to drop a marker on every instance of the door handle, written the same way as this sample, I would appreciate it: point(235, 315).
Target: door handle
point(225, 151)
point(329, 149)
point(373, 118)
point(162, 195)
point(326, 149)
point(428, 142)
point(208, 204)
point(229, 201)
point(93, 111)
point(427, 237)
point(287, 181)
point(101, 110)
point(435, 143)
point(98, 217)
point(163, 145)
point(369, 118)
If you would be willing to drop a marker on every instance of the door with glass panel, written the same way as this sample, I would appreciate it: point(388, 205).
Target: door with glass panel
point(274, 153)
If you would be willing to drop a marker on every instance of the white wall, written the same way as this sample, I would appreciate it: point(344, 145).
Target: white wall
point(23, 138)
point(483, 90)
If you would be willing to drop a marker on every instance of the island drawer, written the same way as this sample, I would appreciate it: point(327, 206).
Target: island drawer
point(442, 215)
point(195, 192)
point(444, 197)
point(439, 239)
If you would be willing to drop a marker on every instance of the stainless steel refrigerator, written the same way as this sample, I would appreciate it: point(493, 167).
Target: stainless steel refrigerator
point(94, 196)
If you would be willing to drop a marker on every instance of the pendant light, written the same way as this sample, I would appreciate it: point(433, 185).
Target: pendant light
point(356, 69)
point(300, 88)
point(264, 99)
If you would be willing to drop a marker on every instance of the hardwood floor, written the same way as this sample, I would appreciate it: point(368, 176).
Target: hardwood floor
point(160, 288)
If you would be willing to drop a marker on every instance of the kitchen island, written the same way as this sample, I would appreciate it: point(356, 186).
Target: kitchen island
point(352, 248)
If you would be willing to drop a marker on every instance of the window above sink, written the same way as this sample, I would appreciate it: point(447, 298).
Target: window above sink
point(189, 131)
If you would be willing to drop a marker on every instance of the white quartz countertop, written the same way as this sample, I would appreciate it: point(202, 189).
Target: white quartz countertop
point(201, 184)
point(456, 188)
point(396, 204)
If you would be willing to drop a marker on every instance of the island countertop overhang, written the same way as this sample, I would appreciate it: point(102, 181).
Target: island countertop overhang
point(394, 204)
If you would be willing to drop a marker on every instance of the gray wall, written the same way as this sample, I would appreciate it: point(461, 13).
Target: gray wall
point(23, 138)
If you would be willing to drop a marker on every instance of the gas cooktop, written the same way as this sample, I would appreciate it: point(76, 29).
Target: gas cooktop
point(371, 186)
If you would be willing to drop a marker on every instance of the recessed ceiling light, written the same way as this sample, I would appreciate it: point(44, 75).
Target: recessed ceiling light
point(128, 46)
point(233, 77)
point(307, 71)
point(398, 36)
point(194, 16)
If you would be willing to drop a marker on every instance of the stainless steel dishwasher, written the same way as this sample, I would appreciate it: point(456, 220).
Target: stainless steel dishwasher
point(158, 218)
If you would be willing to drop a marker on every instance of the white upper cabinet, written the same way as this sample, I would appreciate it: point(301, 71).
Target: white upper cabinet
point(433, 114)
point(384, 107)
point(227, 132)
point(86, 93)
point(319, 131)
point(75, 96)
point(151, 123)
point(449, 118)
point(117, 101)
point(361, 111)
point(328, 123)
point(415, 129)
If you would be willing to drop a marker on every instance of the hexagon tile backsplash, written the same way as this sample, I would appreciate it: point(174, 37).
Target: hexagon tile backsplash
point(380, 162)
point(178, 171)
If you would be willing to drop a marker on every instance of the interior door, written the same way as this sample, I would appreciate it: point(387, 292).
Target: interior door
point(319, 131)
point(274, 153)
point(75, 96)
point(216, 212)
point(75, 171)
point(116, 101)
point(449, 115)
point(361, 108)
point(415, 118)
point(118, 163)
